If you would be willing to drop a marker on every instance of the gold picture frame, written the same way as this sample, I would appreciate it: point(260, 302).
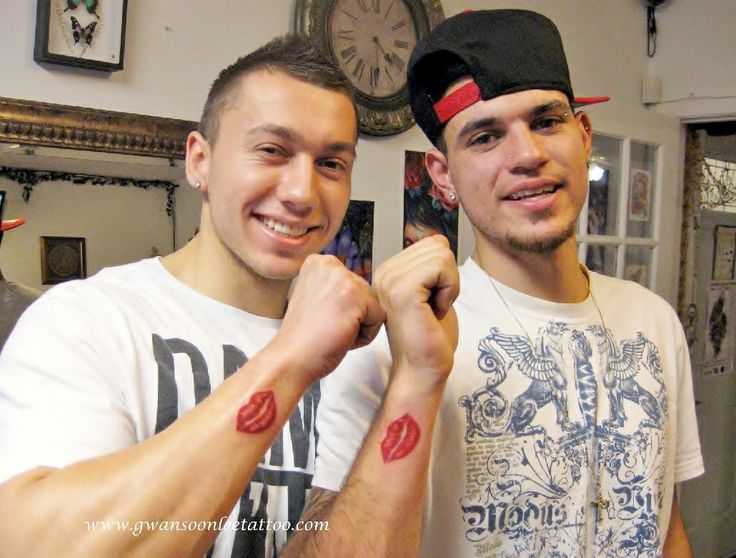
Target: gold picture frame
point(46, 124)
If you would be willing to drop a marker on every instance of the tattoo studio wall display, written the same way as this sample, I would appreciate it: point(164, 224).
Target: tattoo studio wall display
point(63, 258)
point(81, 33)
point(353, 244)
point(720, 329)
point(640, 195)
point(426, 210)
point(724, 256)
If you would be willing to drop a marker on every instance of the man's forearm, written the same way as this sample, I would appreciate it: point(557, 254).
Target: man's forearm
point(676, 544)
point(208, 457)
point(378, 511)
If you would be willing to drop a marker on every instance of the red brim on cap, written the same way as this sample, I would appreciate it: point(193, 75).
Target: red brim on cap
point(583, 101)
point(469, 94)
point(7, 225)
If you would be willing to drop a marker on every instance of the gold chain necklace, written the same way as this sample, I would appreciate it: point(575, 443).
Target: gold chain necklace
point(600, 503)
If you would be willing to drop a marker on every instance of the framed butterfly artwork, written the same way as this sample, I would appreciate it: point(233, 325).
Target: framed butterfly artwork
point(82, 33)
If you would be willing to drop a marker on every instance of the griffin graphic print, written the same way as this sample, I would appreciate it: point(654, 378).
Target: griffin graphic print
point(576, 416)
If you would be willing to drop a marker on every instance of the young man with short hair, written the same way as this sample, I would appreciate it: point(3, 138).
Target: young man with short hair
point(157, 405)
point(569, 416)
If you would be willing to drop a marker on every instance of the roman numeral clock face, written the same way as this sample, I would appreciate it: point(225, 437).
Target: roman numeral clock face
point(371, 42)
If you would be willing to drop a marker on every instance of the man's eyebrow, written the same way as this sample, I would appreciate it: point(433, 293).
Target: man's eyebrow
point(280, 131)
point(340, 147)
point(291, 135)
point(550, 107)
point(474, 126)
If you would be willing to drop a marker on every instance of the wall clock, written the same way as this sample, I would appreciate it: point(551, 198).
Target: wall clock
point(371, 41)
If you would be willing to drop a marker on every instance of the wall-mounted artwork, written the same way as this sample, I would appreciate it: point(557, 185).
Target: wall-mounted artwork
point(353, 244)
point(63, 258)
point(82, 33)
point(640, 195)
point(426, 212)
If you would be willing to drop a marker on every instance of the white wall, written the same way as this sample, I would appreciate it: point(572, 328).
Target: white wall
point(695, 59)
point(174, 50)
point(118, 223)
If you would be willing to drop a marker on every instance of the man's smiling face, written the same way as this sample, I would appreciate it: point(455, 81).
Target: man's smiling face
point(278, 175)
point(518, 163)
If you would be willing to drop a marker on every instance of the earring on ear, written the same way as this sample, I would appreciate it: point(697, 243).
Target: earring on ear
point(197, 184)
point(452, 196)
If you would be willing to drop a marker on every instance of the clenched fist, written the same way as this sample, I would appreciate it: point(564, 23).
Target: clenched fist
point(331, 311)
point(416, 289)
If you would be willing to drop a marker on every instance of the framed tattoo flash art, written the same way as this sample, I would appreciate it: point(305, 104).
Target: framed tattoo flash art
point(426, 210)
point(640, 195)
point(63, 258)
point(82, 33)
point(724, 255)
point(353, 244)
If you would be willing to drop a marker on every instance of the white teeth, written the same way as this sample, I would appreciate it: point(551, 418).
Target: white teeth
point(283, 228)
point(529, 193)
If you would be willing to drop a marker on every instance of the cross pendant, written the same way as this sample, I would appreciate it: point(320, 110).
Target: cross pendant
point(601, 504)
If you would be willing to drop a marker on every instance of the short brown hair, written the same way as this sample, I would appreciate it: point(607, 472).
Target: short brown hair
point(295, 55)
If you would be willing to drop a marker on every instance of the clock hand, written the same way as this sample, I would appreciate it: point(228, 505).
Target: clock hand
point(386, 56)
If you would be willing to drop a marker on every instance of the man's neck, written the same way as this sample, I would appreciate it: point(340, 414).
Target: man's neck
point(555, 276)
point(216, 274)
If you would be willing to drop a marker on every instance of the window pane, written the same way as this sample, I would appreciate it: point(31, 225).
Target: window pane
point(605, 183)
point(641, 190)
point(637, 264)
point(601, 258)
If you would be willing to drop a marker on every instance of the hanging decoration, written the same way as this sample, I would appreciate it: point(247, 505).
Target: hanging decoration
point(29, 178)
point(652, 25)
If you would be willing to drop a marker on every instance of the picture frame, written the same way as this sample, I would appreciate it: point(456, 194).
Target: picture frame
point(353, 244)
point(426, 209)
point(63, 258)
point(724, 253)
point(640, 195)
point(81, 33)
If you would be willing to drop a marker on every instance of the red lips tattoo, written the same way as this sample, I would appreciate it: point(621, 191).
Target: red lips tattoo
point(401, 437)
point(258, 414)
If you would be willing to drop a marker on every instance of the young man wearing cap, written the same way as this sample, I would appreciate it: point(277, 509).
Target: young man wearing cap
point(14, 297)
point(166, 406)
point(569, 416)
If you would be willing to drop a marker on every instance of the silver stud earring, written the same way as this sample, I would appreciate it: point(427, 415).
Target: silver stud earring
point(197, 184)
point(453, 196)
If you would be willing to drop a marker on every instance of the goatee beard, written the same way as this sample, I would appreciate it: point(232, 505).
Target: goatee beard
point(541, 245)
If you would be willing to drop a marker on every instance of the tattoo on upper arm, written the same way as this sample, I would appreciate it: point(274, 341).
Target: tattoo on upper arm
point(258, 414)
point(402, 436)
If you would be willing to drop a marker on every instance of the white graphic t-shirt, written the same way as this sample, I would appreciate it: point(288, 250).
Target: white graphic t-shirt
point(562, 429)
point(99, 365)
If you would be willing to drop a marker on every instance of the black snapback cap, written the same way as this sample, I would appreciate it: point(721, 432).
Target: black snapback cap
point(503, 51)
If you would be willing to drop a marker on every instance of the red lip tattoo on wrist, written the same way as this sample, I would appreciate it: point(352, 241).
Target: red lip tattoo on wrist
point(401, 437)
point(258, 414)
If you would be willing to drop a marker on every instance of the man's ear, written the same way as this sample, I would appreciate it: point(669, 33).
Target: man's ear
point(198, 160)
point(439, 172)
point(586, 131)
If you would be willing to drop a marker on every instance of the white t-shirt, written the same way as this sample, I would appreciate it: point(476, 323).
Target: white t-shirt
point(527, 431)
point(98, 365)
